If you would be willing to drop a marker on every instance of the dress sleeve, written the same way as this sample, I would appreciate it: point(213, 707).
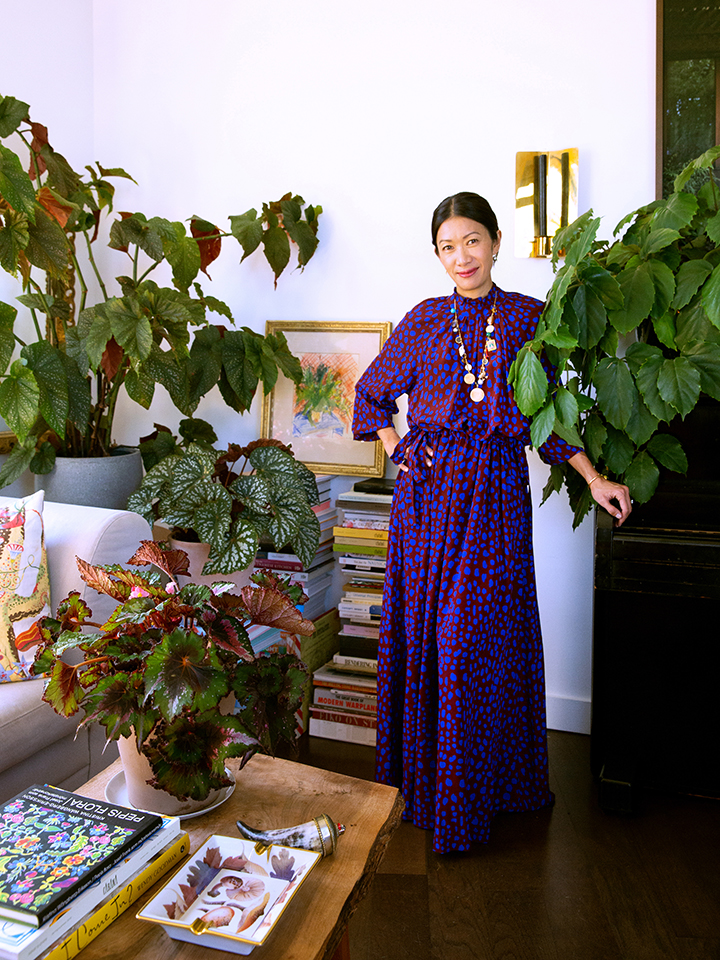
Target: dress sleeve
point(388, 377)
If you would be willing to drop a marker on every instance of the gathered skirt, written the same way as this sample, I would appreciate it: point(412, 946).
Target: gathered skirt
point(461, 689)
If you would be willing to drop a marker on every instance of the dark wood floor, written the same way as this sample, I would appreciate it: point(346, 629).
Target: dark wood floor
point(567, 883)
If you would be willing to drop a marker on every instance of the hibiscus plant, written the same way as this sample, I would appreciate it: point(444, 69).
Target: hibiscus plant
point(167, 658)
point(633, 328)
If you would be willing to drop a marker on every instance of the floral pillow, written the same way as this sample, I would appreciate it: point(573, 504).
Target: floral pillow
point(24, 585)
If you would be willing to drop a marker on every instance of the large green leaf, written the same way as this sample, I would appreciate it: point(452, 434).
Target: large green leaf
point(308, 482)
point(615, 390)
point(690, 277)
point(14, 238)
point(78, 391)
point(568, 434)
point(657, 240)
point(15, 185)
point(664, 281)
point(530, 383)
point(280, 352)
point(306, 539)
point(183, 255)
point(542, 424)
point(237, 552)
point(692, 323)
point(18, 460)
point(130, 326)
point(47, 246)
point(276, 247)
point(647, 382)
point(641, 423)
point(711, 297)
point(642, 477)
point(253, 491)
point(705, 357)
point(638, 289)
point(46, 364)
point(591, 315)
point(12, 114)
point(603, 283)
point(594, 436)
point(274, 463)
point(553, 312)
point(712, 228)
point(665, 330)
point(140, 387)
point(136, 230)
point(206, 357)
point(618, 450)
point(702, 162)
point(669, 452)
point(212, 509)
point(566, 406)
point(94, 331)
point(679, 384)
point(676, 212)
point(7, 337)
point(247, 230)
point(164, 367)
point(241, 378)
point(180, 672)
point(19, 399)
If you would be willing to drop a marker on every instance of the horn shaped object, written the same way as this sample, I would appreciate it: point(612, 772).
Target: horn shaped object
point(320, 834)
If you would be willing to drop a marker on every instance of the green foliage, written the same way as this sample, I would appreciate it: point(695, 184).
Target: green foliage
point(160, 668)
point(230, 499)
point(633, 327)
point(64, 389)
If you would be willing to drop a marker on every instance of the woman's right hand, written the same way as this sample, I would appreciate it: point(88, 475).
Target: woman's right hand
point(390, 438)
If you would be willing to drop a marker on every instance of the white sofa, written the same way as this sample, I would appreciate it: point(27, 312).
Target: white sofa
point(37, 745)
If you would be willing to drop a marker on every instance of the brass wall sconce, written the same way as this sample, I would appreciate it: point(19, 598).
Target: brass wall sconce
point(546, 199)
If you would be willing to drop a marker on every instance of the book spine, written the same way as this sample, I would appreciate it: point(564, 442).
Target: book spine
point(101, 918)
point(361, 533)
point(344, 700)
point(265, 564)
point(359, 546)
point(350, 686)
point(360, 630)
point(342, 716)
point(361, 664)
point(341, 731)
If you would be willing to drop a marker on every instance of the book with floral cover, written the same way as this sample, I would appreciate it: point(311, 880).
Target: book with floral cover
point(54, 844)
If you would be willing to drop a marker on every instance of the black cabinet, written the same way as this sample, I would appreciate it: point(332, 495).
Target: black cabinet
point(656, 651)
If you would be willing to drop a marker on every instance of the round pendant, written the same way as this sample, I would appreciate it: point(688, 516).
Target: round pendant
point(477, 395)
point(469, 378)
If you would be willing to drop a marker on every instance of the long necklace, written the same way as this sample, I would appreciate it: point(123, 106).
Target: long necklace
point(476, 393)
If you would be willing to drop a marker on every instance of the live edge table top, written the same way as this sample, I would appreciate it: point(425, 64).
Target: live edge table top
point(274, 794)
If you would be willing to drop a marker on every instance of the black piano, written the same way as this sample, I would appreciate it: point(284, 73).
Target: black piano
point(656, 648)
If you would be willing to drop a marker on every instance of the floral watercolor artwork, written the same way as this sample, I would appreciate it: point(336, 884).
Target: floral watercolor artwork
point(324, 400)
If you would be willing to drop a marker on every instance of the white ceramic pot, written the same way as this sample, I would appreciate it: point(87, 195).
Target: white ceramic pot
point(197, 556)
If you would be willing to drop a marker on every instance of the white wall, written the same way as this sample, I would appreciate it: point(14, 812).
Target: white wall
point(377, 111)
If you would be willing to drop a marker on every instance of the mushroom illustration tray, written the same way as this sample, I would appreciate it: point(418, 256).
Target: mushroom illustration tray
point(229, 896)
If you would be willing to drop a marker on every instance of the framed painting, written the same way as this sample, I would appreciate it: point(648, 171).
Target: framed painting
point(316, 415)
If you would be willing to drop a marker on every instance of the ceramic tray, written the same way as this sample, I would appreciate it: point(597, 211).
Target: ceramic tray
point(227, 896)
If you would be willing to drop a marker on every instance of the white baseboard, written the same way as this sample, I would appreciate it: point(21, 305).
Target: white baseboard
point(570, 715)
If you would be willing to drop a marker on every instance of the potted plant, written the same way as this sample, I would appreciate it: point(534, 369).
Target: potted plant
point(81, 349)
point(161, 668)
point(633, 329)
point(228, 499)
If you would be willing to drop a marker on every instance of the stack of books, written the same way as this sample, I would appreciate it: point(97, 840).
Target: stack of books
point(361, 543)
point(344, 703)
point(71, 865)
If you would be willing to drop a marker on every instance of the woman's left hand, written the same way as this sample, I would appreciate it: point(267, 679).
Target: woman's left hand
point(613, 497)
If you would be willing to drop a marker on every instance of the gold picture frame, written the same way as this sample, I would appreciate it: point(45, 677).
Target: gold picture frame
point(333, 354)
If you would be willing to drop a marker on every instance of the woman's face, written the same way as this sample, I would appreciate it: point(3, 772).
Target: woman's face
point(466, 251)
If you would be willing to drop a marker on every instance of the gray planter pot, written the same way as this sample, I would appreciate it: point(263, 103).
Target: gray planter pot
point(94, 481)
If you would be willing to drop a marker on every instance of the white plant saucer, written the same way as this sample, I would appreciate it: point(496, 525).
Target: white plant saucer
point(116, 792)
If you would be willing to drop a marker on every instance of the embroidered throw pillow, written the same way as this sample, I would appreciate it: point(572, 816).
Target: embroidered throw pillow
point(24, 585)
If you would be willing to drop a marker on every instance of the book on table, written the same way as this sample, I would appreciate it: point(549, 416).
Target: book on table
point(56, 843)
point(20, 941)
point(95, 921)
point(329, 676)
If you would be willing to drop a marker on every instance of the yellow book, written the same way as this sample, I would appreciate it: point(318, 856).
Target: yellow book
point(104, 915)
point(361, 532)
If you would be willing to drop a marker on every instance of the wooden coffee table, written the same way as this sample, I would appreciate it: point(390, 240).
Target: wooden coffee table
point(269, 794)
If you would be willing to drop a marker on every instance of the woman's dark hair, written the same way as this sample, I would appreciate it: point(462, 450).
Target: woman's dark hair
point(470, 205)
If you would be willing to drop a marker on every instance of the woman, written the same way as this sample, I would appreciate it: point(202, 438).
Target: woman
point(461, 690)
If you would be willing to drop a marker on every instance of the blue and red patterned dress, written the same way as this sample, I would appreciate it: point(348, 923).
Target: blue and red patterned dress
point(461, 689)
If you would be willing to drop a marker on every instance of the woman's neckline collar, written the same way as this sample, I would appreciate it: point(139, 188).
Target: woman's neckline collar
point(477, 300)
